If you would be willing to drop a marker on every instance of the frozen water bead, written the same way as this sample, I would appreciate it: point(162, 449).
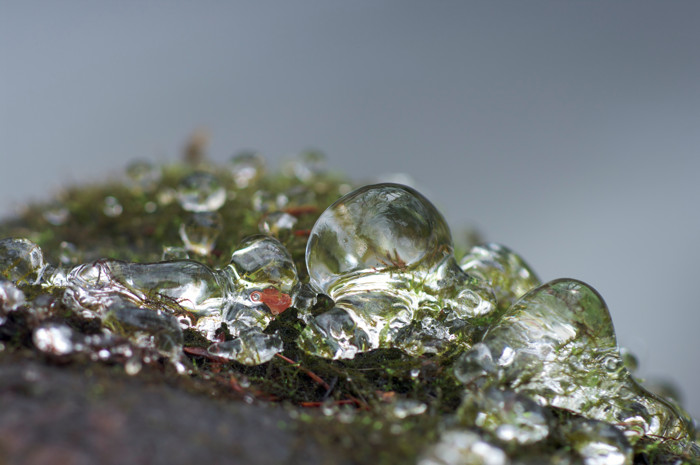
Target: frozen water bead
point(184, 283)
point(384, 254)
point(511, 417)
point(502, 270)
point(557, 345)
point(200, 232)
point(375, 227)
point(21, 261)
point(201, 192)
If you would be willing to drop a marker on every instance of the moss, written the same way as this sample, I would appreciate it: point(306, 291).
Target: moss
point(361, 392)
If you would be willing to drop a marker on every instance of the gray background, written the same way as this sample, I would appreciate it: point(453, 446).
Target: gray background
point(568, 131)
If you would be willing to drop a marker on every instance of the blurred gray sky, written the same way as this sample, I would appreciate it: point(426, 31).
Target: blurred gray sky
point(568, 131)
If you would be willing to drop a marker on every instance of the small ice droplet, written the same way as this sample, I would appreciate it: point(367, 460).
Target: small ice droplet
point(459, 447)
point(249, 348)
point(596, 442)
point(502, 270)
point(307, 165)
point(265, 201)
point(404, 408)
point(11, 298)
point(511, 417)
point(246, 168)
point(133, 366)
point(69, 254)
point(200, 231)
point(143, 175)
point(55, 339)
point(277, 223)
point(174, 253)
point(56, 214)
point(201, 192)
point(21, 261)
point(112, 208)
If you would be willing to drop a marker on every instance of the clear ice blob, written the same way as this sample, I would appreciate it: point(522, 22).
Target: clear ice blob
point(596, 442)
point(246, 168)
point(307, 166)
point(201, 192)
point(200, 232)
point(259, 283)
point(557, 345)
point(162, 330)
point(21, 261)
point(265, 283)
point(265, 201)
point(185, 283)
point(57, 339)
point(384, 254)
point(11, 298)
point(502, 270)
point(249, 348)
point(511, 417)
point(174, 253)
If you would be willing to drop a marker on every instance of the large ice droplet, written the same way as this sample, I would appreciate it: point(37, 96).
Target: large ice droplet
point(21, 261)
point(384, 254)
point(557, 345)
point(502, 270)
point(185, 283)
point(201, 192)
point(372, 228)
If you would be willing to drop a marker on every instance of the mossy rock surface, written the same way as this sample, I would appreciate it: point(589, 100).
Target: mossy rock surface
point(294, 409)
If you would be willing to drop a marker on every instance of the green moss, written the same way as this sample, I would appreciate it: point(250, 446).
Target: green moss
point(361, 392)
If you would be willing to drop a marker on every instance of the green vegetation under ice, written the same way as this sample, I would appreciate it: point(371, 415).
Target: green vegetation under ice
point(347, 306)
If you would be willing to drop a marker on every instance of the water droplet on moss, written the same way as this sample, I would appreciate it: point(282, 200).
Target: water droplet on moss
point(384, 254)
point(510, 417)
point(200, 232)
point(11, 297)
point(21, 261)
point(246, 168)
point(143, 176)
point(502, 270)
point(557, 345)
point(56, 339)
point(277, 224)
point(249, 348)
point(201, 192)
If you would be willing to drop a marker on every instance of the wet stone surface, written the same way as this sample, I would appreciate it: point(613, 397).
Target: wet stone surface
point(261, 317)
